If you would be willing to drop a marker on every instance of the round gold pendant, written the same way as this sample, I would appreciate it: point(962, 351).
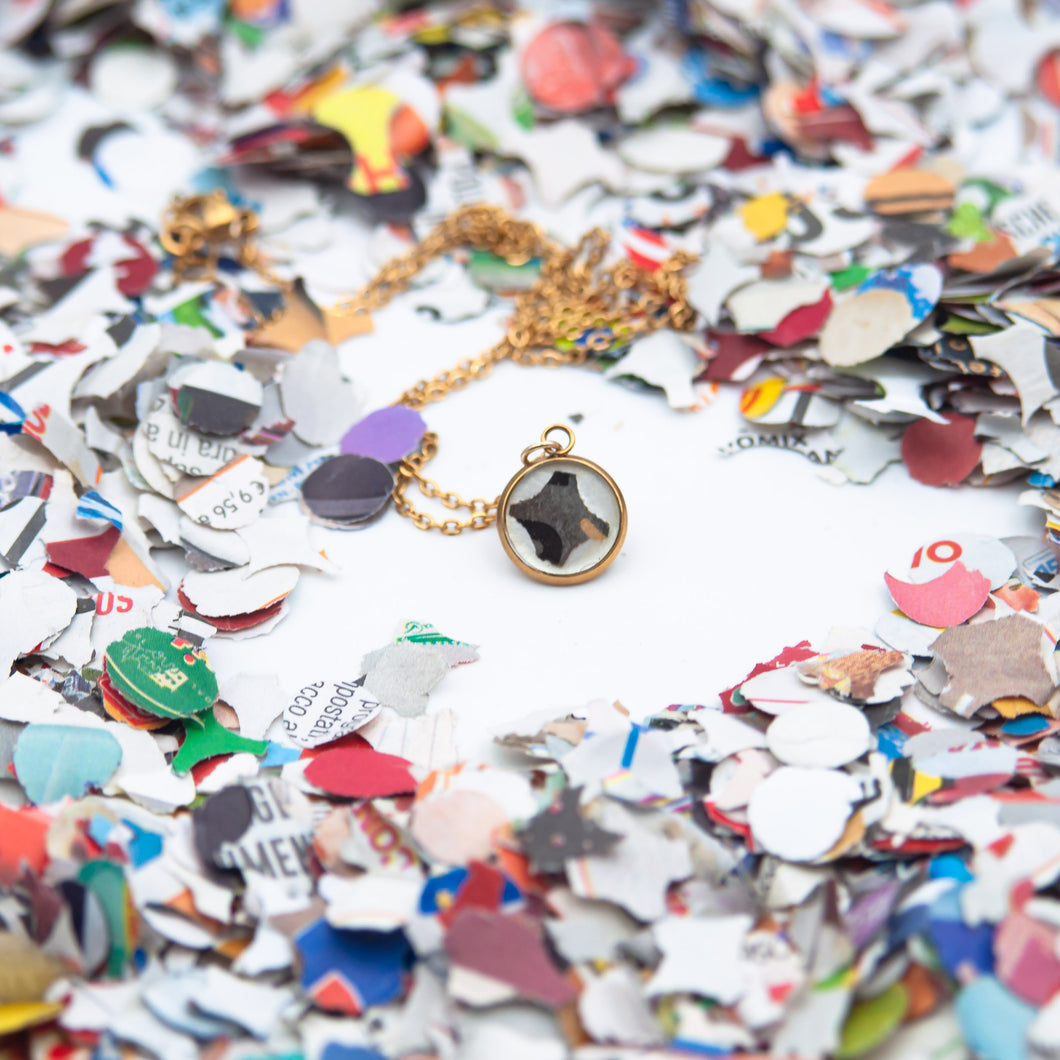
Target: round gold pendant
point(562, 519)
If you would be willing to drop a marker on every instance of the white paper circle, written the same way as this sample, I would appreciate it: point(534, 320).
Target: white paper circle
point(864, 325)
point(133, 76)
point(821, 735)
point(586, 510)
point(673, 149)
point(799, 814)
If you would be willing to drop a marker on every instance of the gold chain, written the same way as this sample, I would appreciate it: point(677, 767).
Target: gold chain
point(575, 308)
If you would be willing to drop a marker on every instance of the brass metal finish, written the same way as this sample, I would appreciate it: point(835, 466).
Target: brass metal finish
point(533, 457)
point(196, 229)
point(545, 448)
point(482, 512)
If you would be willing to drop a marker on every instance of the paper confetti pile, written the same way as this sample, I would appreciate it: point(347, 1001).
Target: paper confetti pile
point(854, 852)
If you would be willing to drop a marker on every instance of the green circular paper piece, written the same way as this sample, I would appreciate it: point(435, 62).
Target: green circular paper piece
point(161, 674)
point(872, 1022)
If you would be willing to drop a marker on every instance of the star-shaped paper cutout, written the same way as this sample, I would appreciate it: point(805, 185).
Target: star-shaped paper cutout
point(558, 520)
point(561, 832)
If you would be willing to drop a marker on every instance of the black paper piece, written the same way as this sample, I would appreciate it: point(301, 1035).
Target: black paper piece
point(560, 832)
point(222, 819)
point(557, 519)
point(348, 488)
point(213, 413)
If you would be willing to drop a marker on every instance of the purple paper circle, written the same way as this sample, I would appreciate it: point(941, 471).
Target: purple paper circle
point(387, 435)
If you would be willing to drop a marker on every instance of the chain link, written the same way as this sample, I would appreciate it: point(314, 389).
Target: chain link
point(575, 309)
point(483, 512)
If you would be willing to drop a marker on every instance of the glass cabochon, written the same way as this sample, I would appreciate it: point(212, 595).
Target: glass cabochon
point(562, 517)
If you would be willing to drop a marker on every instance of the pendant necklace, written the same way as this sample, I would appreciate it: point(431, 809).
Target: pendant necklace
point(561, 518)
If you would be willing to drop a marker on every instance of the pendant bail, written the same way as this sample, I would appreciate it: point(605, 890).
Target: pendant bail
point(545, 448)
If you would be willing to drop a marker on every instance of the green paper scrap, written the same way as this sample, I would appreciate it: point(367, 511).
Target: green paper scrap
point(424, 633)
point(851, 276)
point(991, 194)
point(872, 1022)
point(967, 223)
point(163, 675)
point(523, 109)
point(468, 132)
point(191, 314)
point(837, 980)
point(248, 34)
point(106, 880)
point(494, 273)
point(956, 325)
point(205, 737)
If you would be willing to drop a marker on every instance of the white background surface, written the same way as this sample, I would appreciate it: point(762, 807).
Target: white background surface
point(728, 559)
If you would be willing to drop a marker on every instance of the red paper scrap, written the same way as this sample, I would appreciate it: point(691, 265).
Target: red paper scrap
point(731, 353)
point(25, 833)
point(940, 454)
point(800, 323)
point(786, 657)
point(572, 67)
point(360, 773)
point(86, 556)
point(1025, 951)
point(948, 600)
point(507, 948)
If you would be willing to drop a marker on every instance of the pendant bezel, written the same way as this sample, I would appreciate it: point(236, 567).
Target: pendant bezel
point(556, 455)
